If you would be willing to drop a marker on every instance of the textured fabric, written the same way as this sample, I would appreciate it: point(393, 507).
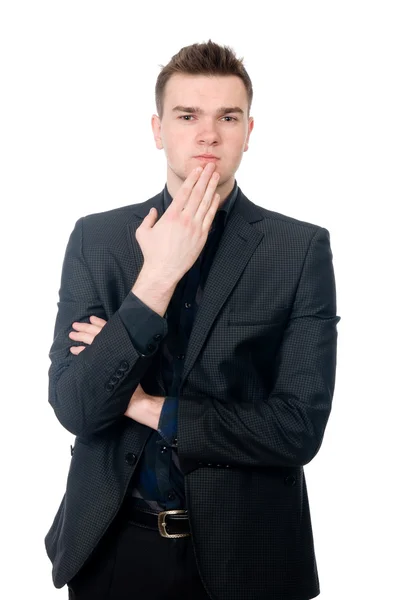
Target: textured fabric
point(255, 397)
point(167, 427)
point(158, 482)
point(145, 327)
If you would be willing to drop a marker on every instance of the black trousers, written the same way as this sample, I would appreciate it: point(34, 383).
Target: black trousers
point(135, 563)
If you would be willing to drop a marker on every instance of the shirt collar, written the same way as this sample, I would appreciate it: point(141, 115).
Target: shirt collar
point(225, 208)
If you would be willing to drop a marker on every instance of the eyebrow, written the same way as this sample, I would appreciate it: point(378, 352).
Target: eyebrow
point(220, 111)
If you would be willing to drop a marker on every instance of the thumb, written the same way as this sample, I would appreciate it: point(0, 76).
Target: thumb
point(150, 218)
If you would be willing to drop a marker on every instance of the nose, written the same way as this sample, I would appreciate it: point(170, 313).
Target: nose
point(208, 132)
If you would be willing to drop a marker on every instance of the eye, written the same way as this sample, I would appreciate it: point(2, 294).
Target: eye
point(225, 117)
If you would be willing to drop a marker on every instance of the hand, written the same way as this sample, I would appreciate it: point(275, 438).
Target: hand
point(172, 245)
point(86, 332)
point(145, 409)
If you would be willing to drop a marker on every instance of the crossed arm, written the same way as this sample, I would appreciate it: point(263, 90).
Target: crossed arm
point(284, 429)
point(142, 407)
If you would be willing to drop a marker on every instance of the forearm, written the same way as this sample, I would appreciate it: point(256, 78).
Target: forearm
point(283, 429)
point(154, 291)
point(88, 392)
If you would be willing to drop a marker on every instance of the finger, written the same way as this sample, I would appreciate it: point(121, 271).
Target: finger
point(77, 349)
point(82, 336)
point(204, 190)
point(150, 218)
point(98, 320)
point(88, 327)
point(185, 190)
point(208, 198)
point(207, 220)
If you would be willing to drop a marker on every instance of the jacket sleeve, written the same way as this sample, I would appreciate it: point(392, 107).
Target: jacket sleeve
point(287, 428)
point(142, 323)
point(91, 390)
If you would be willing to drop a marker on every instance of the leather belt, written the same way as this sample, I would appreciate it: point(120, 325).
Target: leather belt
point(169, 523)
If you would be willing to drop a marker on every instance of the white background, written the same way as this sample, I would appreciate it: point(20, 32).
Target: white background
point(77, 95)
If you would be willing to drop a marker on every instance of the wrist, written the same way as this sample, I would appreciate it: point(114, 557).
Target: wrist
point(154, 290)
point(150, 279)
point(154, 407)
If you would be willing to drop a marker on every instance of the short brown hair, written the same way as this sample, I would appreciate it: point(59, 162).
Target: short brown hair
point(202, 59)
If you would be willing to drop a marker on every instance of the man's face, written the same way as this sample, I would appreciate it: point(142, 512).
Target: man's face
point(183, 135)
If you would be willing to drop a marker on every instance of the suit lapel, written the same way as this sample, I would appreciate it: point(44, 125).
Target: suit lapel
point(237, 244)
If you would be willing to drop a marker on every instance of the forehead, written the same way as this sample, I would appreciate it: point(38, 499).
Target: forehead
point(194, 89)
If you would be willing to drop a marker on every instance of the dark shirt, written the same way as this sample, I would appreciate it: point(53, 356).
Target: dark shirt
point(158, 481)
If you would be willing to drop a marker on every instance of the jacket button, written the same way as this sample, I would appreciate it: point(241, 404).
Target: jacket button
point(124, 365)
point(109, 387)
point(150, 347)
point(130, 458)
point(114, 379)
point(157, 337)
point(290, 480)
point(119, 373)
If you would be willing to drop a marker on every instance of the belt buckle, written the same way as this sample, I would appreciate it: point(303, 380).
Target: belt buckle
point(161, 523)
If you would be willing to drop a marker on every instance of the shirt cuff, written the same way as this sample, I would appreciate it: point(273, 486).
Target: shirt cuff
point(145, 327)
point(167, 426)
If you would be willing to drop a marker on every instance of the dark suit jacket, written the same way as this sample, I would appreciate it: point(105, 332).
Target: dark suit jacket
point(256, 395)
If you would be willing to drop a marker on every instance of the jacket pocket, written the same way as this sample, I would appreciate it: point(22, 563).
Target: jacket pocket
point(258, 316)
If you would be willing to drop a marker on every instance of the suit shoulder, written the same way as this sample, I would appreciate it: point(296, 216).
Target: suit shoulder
point(108, 224)
point(286, 229)
point(121, 213)
point(287, 220)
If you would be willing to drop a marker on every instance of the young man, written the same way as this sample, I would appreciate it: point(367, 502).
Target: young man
point(194, 360)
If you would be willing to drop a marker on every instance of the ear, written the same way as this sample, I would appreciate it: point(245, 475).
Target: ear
point(156, 127)
point(251, 123)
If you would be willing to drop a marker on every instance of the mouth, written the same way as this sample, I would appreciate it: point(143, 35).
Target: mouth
point(207, 157)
